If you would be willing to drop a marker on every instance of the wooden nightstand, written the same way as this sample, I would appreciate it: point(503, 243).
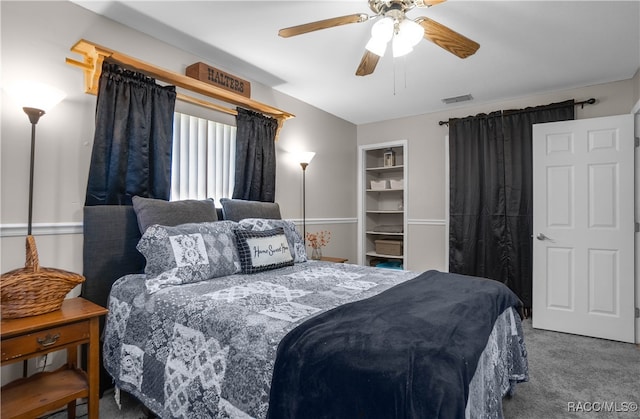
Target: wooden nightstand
point(76, 323)
point(333, 259)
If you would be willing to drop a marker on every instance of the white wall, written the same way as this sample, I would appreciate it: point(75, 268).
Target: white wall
point(637, 215)
point(636, 110)
point(426, 206)
point(35, 39)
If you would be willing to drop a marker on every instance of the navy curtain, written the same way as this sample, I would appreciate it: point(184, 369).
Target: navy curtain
point(255, 177)
point(491, 194)
point(133, 136)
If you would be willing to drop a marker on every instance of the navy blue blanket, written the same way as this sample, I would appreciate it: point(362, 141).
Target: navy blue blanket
point(409, 352)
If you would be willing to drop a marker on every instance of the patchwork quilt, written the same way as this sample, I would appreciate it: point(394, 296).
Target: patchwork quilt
point(207, 349)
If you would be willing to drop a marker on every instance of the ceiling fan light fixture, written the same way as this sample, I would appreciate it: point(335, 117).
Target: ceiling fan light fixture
point(392, 25)
point(383, 29)
point(411, 31)
point(376, 46)
point(400, 46)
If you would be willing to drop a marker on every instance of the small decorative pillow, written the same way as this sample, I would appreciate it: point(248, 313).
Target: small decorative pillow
point(151, 211)
point(263, 250)
point(296, 243)
point(190, 252)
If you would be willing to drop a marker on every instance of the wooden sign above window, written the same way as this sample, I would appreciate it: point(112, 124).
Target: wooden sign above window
point(211, 75)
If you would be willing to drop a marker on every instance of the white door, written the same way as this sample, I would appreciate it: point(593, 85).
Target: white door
point(583, 226)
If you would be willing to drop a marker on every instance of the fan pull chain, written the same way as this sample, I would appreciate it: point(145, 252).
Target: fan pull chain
point(394, 76)
point(404, 67)
point(405, 71)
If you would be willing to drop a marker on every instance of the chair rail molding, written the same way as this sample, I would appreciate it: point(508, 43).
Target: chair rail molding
point(47, 229)
point(320, 221)
point(41, 229)
point(427, 222)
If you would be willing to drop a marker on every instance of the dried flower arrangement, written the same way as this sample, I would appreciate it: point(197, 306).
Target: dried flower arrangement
point(319, 239)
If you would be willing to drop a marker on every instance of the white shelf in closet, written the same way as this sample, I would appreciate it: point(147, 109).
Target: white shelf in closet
point(383, 256)
point(384, 204)
point(396, 168)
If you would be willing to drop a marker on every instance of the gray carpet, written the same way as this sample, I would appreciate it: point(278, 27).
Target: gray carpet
point(568, 369)
point(567, 372)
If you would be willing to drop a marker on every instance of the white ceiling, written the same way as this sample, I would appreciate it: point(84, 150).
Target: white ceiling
point(526, 47)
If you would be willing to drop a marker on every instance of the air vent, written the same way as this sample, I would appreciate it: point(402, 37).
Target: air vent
point(457, 99)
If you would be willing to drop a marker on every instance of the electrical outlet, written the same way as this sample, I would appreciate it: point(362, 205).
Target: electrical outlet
point(43, 361)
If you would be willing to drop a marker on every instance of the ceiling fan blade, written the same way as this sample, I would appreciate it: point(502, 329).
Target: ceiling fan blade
point(322, 24)
point(447, 38)
point(367, 64)
point(428, 3)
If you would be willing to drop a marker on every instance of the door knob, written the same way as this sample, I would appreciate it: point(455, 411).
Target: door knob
point(543, 237)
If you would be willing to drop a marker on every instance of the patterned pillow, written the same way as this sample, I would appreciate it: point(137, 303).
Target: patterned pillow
point(296, 243)
point(263, 250)
point(190, 252)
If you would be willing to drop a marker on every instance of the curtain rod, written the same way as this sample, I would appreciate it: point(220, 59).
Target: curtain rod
point(590, 101)
point(94, 55)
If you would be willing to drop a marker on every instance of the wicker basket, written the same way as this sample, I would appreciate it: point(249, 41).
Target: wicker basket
point(33, 290)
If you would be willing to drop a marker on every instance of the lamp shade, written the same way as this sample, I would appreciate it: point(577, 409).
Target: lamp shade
point(383, 29)
point(35, 95)
point(400, 46)
point(411, 31)
point(376, 46)
point(305, 157)
point(408, 36)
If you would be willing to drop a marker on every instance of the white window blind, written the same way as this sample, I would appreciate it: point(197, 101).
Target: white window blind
point(203, 162)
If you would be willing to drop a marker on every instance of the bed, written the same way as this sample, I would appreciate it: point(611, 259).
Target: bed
point(238, 339)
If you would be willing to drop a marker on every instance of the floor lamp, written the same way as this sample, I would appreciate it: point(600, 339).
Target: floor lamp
point(36, 99)
point(304, 158)
point(34, 290)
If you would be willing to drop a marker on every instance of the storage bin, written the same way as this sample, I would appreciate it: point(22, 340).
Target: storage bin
point(389, 247)
point(397, 183)
point(390, 264)
point(379, 184)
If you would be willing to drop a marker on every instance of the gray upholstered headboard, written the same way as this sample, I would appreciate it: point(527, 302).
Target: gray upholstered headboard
point(111, 233)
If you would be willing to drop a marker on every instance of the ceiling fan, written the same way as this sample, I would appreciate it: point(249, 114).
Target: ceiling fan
point(395, 27)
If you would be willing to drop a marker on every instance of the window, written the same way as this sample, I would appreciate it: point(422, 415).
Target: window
point(203, 162)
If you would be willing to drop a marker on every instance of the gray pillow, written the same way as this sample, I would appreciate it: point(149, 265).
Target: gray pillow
point(296, 244)
point(189, 253)
point(262, 250)
point(238, 209)
point(151, 211)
